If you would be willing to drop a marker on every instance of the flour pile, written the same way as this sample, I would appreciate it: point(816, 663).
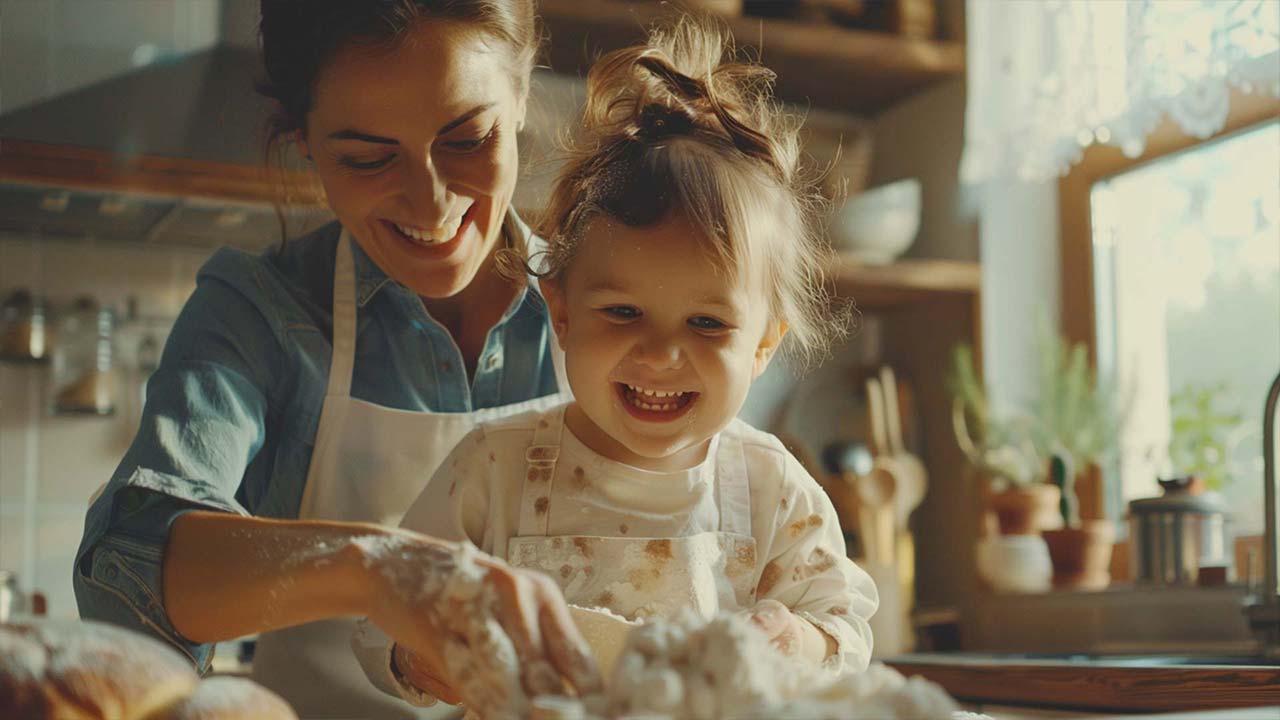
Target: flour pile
point(687, 668)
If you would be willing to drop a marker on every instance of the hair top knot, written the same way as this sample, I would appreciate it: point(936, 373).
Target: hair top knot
point(658, 122)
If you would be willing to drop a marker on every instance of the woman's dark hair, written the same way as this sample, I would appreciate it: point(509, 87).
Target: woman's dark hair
point(298, 36)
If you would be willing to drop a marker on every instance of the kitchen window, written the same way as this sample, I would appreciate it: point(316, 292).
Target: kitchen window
point(1171, 275)
point(1186, 267)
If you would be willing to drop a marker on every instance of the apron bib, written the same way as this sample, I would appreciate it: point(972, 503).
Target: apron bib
point(640, 577)
point(369, 464)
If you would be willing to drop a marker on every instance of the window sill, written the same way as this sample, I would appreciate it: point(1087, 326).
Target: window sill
point(1123, 619)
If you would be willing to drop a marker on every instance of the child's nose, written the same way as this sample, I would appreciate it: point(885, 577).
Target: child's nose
point(658, 353)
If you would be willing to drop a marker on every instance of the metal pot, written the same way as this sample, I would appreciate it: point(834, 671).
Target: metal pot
point(1176, 534)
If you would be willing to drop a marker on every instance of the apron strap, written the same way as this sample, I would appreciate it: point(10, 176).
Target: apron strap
point(342, 362)
point(732, 485)
point(540, 471)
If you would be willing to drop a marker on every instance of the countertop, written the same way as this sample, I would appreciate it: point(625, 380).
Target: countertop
point(1083, 683)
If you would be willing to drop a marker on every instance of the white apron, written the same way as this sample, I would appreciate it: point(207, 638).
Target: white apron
point(369, 464)
point(639, 577)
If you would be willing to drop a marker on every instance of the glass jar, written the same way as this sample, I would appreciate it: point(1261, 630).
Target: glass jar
point(1174, 535)
point(24, 336)
point(83, 377)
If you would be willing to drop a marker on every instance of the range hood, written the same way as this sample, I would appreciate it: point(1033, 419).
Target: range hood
point(171, 152)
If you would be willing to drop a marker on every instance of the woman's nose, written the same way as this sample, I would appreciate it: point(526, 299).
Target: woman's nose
point(428, 192)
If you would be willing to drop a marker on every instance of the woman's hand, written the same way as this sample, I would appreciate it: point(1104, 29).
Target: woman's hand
point(471, 628)
point(792, 635)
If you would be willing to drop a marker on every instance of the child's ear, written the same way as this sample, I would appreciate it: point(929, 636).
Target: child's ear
point(557, 310)
point(769, 344)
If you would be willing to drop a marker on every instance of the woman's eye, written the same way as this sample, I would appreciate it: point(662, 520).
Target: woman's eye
point(621, 312)
point(706, 324)
point(355, 164)
point(466, 146)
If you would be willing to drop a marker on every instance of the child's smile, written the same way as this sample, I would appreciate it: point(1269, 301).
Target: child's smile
point(661, 342)
point(653, 405)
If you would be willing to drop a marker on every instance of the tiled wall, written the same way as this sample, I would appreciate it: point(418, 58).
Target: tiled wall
point(50, 465)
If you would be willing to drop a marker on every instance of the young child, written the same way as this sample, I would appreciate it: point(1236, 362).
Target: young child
point(683, 247)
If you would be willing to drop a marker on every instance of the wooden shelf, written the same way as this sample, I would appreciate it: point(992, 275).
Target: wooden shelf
point(905, 282)
point(823, 65)
point(97, 169)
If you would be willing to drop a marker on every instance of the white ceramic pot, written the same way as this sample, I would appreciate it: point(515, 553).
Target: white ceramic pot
point(1015, 563)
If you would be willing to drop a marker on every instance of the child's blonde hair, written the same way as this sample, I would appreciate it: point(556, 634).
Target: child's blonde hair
point(680, 125)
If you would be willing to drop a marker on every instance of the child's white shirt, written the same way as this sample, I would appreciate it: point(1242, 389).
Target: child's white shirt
point(476, 494)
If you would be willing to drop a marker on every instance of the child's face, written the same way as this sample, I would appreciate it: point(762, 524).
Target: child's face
point(660, 346)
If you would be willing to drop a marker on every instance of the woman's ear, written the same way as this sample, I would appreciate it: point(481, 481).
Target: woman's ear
point(557, 309)
point(769, 344)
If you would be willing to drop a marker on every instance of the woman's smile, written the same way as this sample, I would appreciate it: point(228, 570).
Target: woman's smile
point(432, 244)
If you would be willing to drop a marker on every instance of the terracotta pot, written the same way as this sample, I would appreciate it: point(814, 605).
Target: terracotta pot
point(1026, 510)
point(1082, 556)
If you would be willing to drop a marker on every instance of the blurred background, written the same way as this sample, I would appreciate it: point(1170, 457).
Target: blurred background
point(1059, 221)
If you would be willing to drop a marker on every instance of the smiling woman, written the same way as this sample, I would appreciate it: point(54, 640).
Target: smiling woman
point(306, 395)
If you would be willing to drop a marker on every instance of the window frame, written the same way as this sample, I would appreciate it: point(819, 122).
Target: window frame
point(1077, 314)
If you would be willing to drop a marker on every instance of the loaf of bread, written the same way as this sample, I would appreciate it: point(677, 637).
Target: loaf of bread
point(68, 670)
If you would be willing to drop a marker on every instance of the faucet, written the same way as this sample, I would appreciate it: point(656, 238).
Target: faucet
point(1263, 609)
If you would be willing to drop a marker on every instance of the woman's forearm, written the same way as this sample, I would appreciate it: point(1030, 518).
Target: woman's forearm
point(228, 575)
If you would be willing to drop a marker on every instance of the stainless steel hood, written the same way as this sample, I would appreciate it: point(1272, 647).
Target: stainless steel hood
point(171, 152)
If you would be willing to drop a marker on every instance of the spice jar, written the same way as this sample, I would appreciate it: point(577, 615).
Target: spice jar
point(83, 378)
point(24, 336)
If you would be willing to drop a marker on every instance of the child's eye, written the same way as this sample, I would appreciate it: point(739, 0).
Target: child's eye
point(706, 324)
point(621, 312)
point(355, 164)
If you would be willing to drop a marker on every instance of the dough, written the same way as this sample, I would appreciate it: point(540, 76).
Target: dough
point(605, 631)
point(83, 670)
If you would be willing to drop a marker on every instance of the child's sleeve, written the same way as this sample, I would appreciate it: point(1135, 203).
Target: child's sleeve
point(453, 506)
point(809, 571)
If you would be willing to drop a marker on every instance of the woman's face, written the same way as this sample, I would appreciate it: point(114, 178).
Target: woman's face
point(416, 148)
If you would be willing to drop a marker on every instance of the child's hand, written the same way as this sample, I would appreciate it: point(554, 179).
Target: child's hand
point(792, 635)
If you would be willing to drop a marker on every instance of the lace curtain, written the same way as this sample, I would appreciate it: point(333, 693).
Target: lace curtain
point(1047, 78)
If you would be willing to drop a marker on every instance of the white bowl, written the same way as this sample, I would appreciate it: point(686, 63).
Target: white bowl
point(878, 225)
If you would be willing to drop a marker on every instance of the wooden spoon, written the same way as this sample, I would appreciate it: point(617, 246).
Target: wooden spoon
point(913, 477)
point(876, 489)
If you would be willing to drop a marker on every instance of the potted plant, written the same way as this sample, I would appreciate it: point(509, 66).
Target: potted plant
point(1202, 437)
point(1075, 429)
point(1002, 449)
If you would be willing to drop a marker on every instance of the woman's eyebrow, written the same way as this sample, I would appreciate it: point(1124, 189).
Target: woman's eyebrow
point(366, 137)
point(363, 137)
point(463, 118)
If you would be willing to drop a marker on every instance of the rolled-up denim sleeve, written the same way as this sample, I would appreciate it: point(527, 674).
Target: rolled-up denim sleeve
point(203, 422)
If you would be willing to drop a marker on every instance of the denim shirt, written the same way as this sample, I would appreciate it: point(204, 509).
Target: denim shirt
point(232, 411)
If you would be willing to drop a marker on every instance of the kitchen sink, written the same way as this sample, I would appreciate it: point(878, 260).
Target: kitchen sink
point(1093, 659)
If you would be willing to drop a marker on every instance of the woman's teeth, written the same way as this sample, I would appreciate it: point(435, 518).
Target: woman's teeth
point(431, 237)
point(660, 400)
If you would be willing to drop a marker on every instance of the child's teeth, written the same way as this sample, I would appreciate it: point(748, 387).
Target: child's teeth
point(664, 400)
